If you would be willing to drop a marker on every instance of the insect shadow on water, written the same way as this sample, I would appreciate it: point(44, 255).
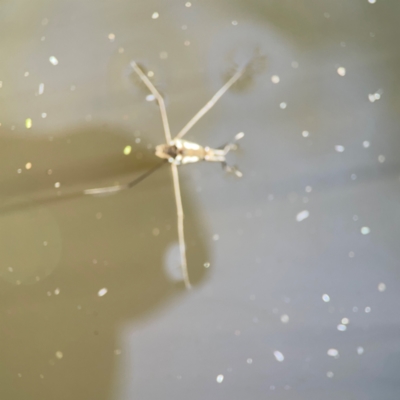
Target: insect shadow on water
point(177, 151)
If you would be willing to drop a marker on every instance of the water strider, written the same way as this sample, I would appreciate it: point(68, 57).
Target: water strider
point(178, 151)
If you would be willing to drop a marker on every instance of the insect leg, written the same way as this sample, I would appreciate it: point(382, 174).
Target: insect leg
point(180, 216)
point(159, 98)
point(210, 103)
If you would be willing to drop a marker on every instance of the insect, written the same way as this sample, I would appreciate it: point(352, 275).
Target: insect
point(177, 151)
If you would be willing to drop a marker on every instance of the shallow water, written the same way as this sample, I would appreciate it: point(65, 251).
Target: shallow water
point(294, 266)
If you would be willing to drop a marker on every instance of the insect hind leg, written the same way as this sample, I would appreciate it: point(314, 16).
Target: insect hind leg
point(231, 169)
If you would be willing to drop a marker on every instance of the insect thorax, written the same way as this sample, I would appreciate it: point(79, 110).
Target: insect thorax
point(181, 152)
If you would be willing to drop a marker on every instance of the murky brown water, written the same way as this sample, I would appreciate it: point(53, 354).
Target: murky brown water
point(146, 337)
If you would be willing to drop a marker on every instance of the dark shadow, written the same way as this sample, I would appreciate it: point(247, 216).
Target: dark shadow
point(116, 242)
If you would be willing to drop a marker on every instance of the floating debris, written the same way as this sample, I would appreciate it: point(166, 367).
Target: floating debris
point(279, 356)
point(341, 71)
point(302, 215)
point(333, 353)
point(102, 292)
point(339, 148)
point(365, 230)
point(220, 378)
point(28, 123)
point(53, 60)
point(326, 298)
point(285, 318)
point(381, 287)
point(127, 150)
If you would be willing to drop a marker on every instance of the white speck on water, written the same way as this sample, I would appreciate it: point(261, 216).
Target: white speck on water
point(220, 378)
point(44, 115)
point(10, 269)
point(341, 71)
point(339, 148)
point(283, 105)
point(381, 287)
point(188, 4)
point(341, 327)
point(326, 298)
point(150, 97)
point(215, 237)
point(308, 189)
point(367, 309)
point(381, 158)
point(57, 184)
point(377, 96)
point(26, 74)
point(285, 318)
point(207, 265)
point(371, 1)
point(155, 15)
point(53, 60)
point(305, 134)
point(150, 74)
point(329, 374)
point(371, 98)
point(365, 230)
point(333, 353)
point(249, 361)
point(345, 321)
point(360, 350)
point(302, 215)
point(186, 43)
point(156, 232)
point(59, 355)
point(102, 292)
point(234, 23)
point(117, 352)
point(366, 144)
point(127, 150)
point(41, 88)
point(28, 123)
point(28, 165)
point(57, 291)
point(279, 356)
point(275, 79)
point(19, 170)
point(351, 254)
point(111, 37)
point(137, 140)
point(45, 243)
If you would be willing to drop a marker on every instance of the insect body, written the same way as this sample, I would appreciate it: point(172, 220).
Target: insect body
point(178, 151)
